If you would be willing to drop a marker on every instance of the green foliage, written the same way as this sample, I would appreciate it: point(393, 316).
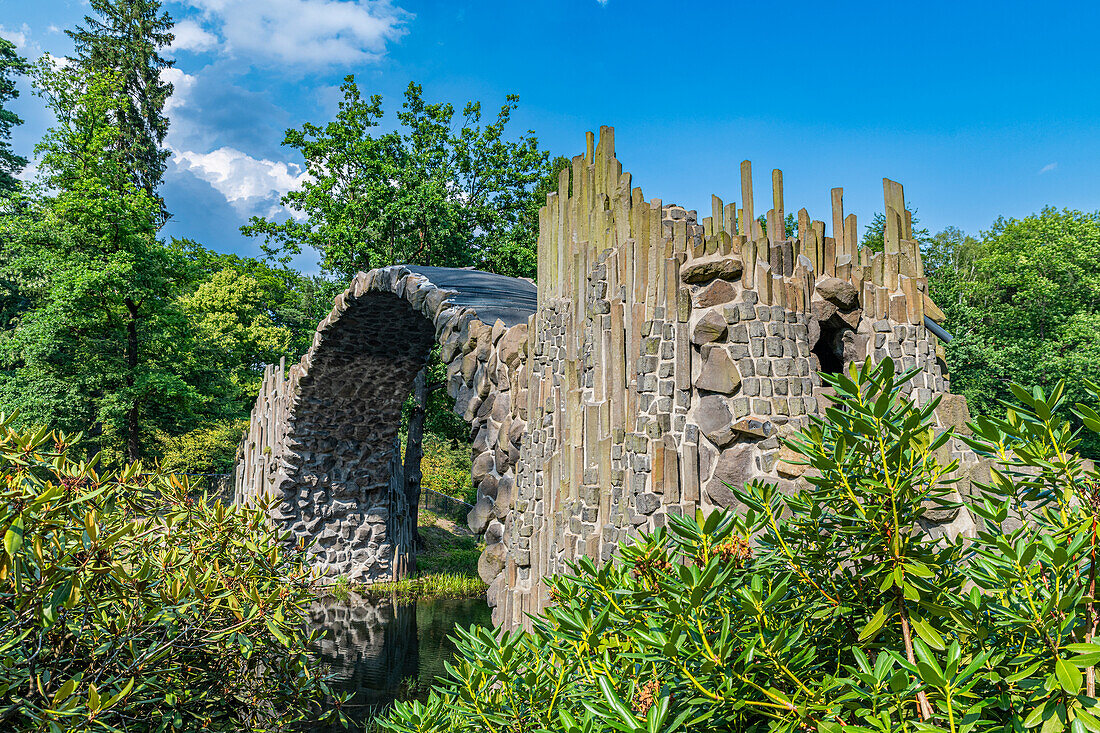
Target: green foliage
point(446, 466)
point(128, 604)
point(11, 65)
point(211, 448)
point(443, 551)
point(1024, 306)
point(874, 234)
point(431, 585)
point(829, 609)
point(425, 193)
point(124, 40)
point(93, 342)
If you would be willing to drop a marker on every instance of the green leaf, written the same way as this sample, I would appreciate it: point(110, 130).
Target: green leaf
point(13, 538)
point(1069, 676)
point(929, 635)
point(876, 622)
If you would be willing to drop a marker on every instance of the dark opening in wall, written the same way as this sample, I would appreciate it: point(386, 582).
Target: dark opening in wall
point(829, 349)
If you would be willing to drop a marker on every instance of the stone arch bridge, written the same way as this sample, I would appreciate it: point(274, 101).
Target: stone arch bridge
point(659, 358)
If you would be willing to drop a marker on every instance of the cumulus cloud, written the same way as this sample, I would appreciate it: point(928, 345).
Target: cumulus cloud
point(190, 36)
point(307, 33)
point(1047, 168)
point(21, 37)
point(182, 85)
point(250, 184)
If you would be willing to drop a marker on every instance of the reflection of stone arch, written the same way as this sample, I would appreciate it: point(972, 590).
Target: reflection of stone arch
point(325, 439)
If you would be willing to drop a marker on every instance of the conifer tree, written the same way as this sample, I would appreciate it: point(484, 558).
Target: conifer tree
point(11, 65)
point(125, 39)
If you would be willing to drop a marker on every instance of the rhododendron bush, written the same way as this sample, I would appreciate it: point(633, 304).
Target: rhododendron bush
point(829, 609)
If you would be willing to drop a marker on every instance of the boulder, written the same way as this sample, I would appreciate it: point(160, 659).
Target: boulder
point(715, 420)
point(735, 467)
point(754, 428)
point(717, 293)
point(711, 327)
point(491, 562)
point(719, 372)
point(839, 292)
point(478, 517)
point(705, 270)
point(513, 345)
point(647, 503)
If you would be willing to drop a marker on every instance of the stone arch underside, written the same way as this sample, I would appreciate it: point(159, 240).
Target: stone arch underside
point(325, 436)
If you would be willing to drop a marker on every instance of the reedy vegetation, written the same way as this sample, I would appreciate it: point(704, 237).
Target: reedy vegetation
point(830, 609)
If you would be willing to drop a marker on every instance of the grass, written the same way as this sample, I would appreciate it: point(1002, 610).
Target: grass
point(446, 566)
point(433, 585)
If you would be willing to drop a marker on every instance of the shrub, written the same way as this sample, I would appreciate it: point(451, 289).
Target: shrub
point(128, 604)
point(209, 449)
point(828, 609)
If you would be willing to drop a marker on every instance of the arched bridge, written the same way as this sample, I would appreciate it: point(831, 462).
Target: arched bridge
point(325, 438)
point(660, 360)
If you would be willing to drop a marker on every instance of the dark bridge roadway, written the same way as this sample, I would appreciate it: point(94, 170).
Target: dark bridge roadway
point(511, 299)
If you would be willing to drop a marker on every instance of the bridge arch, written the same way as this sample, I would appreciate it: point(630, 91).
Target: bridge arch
point(324, 437)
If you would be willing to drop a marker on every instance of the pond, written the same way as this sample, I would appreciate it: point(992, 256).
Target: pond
point(382, 649)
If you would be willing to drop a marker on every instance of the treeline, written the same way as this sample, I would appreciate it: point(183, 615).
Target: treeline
point(153, 348)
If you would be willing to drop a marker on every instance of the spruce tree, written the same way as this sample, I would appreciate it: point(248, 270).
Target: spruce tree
point(11, 64)
point(125, 39)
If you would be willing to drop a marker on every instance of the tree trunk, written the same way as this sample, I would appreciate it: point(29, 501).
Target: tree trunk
point(414, 447)
point(133, 448)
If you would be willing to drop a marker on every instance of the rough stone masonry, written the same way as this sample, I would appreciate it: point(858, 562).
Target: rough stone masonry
point(663, 358)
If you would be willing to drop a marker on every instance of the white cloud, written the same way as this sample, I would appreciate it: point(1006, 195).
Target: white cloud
point(1047, 168)
point(248, 183)
point(18, 37)
point(304, 32)
point(21, 37)
point(182, 84)
point(190, 36)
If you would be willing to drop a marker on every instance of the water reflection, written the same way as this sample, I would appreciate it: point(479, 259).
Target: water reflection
point(382, 650)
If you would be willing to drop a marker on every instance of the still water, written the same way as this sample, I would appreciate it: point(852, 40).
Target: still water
point(382, 650)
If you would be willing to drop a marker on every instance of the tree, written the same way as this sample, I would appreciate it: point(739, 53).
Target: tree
point(131, 604)
point(1023, 305)
point(11, 65)
point(874, 234)
point(126, 39)
point(425, 193)
point(97, 347)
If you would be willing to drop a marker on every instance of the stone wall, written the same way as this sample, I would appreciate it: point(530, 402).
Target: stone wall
point(666, 358)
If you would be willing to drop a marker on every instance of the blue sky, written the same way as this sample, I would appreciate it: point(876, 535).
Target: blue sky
point(979, 109)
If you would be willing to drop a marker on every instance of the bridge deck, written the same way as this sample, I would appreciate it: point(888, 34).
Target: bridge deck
point(511, 299)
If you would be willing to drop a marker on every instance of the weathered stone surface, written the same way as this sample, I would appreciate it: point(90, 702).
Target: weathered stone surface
point(839, 292)
point(654, 370)
point(715, 420)
point(491, 562)
point(753, 428)
point(513, 344)
point(952, 412)
point(717, 293)
point(705, 270)
point(478, 517)
point(719, 372)
point(735, 467)
point(711, 327)
point(647, 503)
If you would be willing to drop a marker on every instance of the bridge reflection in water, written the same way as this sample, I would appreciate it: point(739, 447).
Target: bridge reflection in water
point(382, 650)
